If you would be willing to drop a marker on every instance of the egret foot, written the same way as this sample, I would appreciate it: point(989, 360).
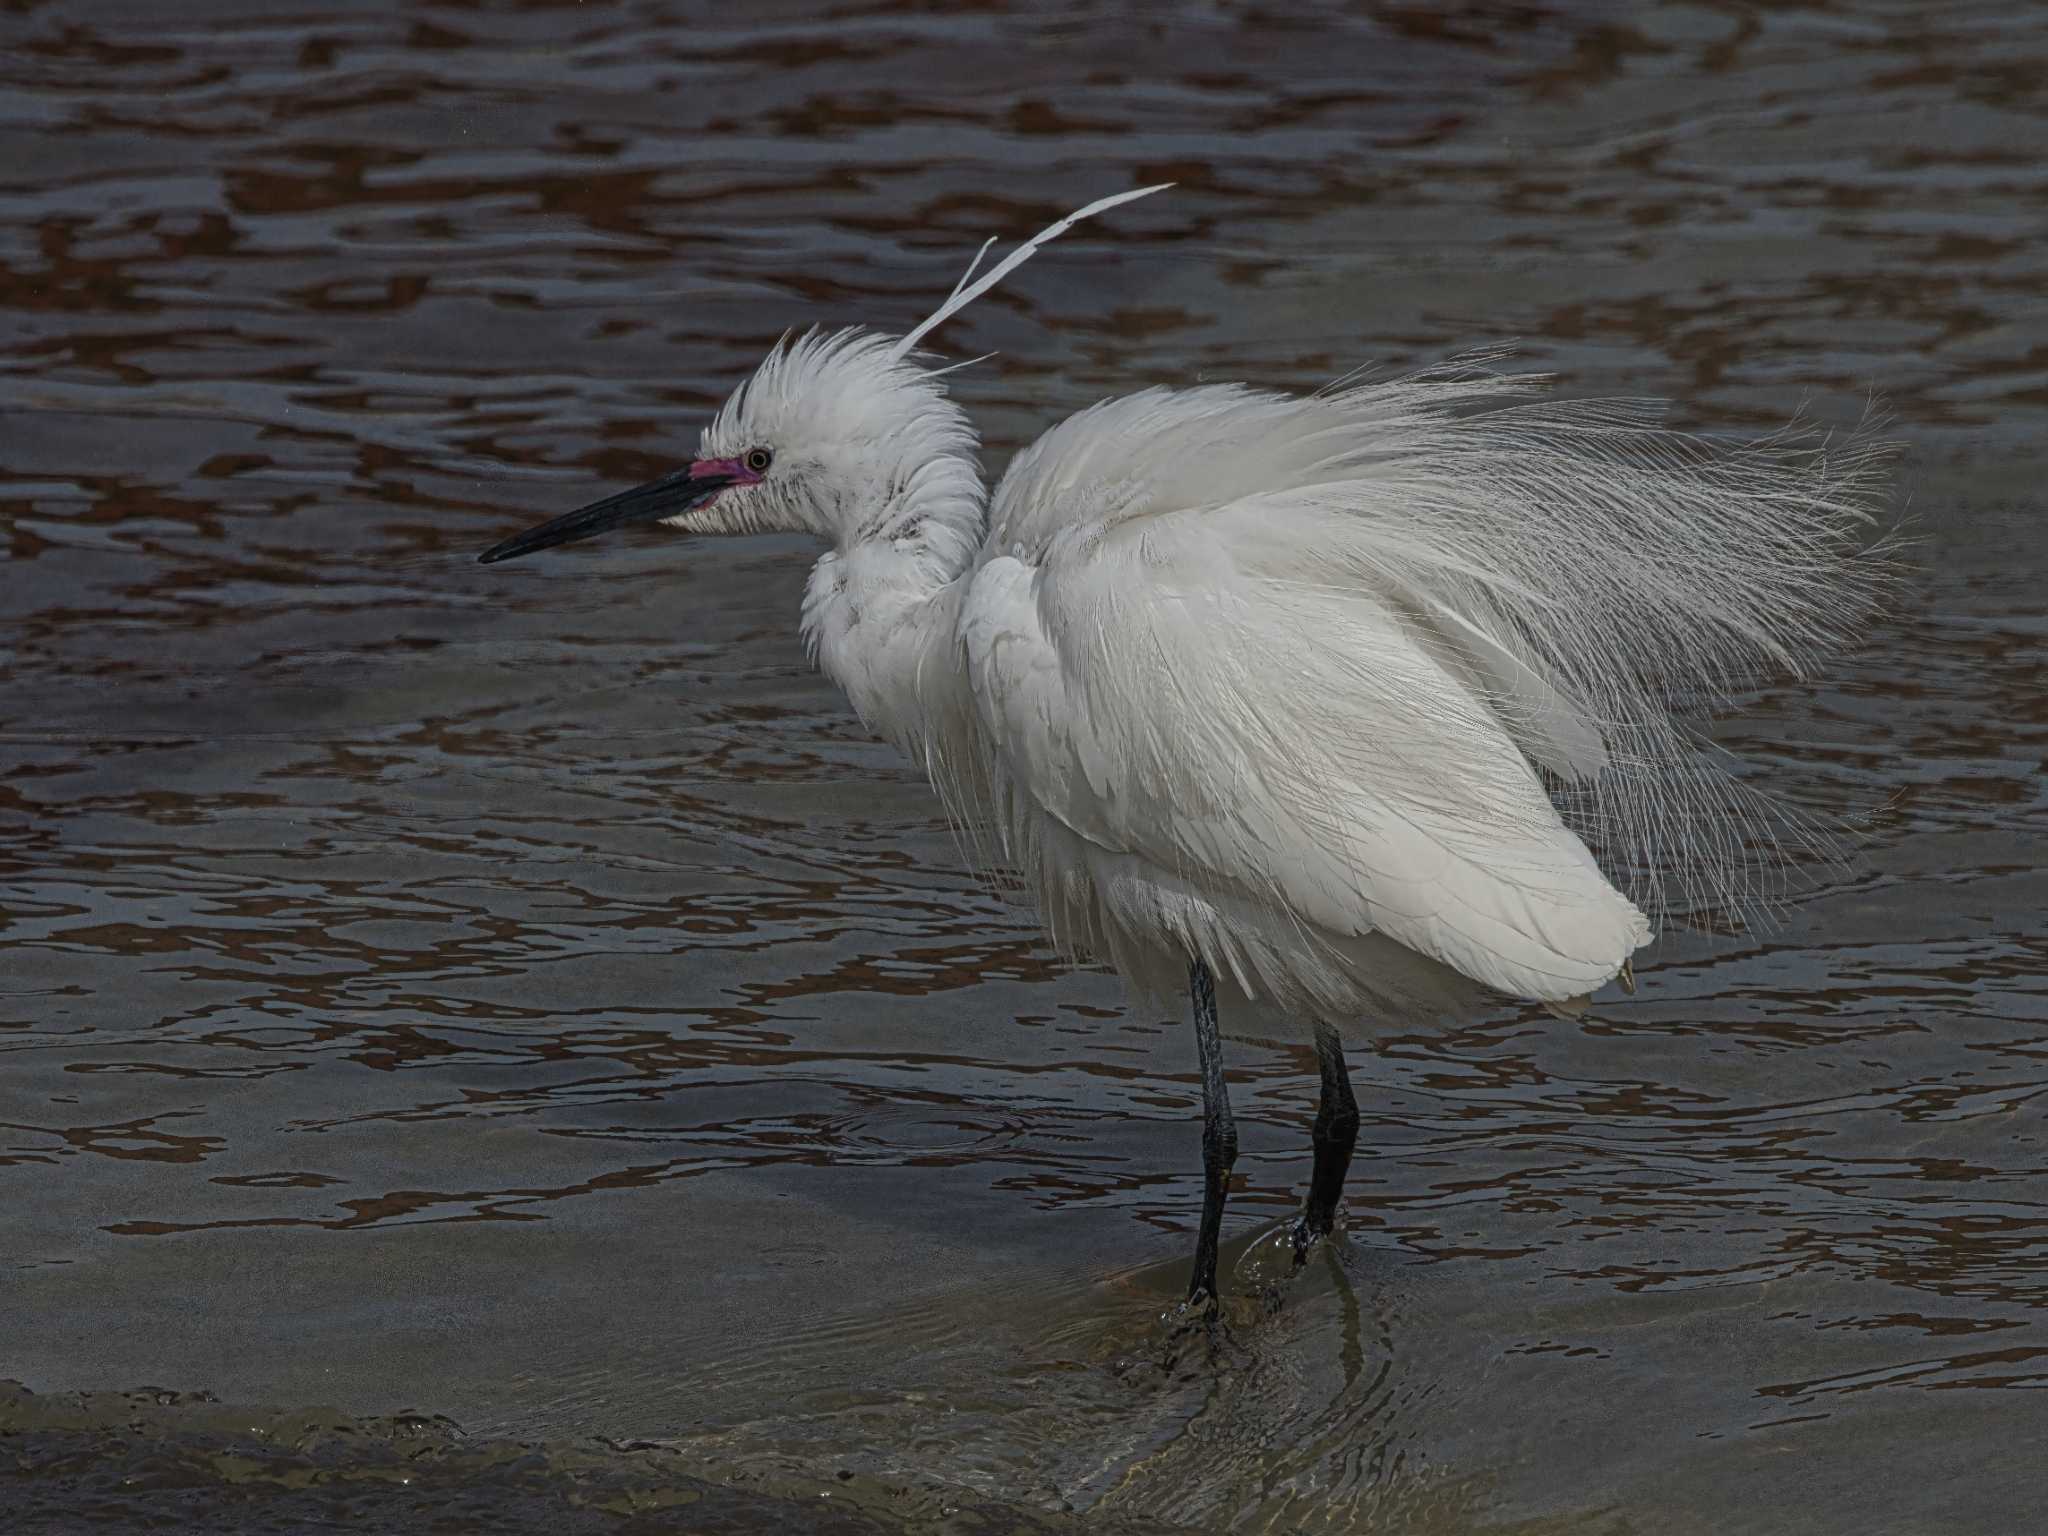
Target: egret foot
point(1196, 1315)
point(1304, 1237)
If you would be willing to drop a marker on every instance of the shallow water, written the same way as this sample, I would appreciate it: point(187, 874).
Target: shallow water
point(525, 995)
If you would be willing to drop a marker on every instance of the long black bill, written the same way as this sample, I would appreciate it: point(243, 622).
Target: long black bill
point(670, 496)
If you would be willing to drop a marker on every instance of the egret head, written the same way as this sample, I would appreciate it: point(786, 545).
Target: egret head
point(842, 434)
point(827, 435)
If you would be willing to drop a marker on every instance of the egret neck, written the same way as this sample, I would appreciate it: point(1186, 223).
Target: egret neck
point(885, 599)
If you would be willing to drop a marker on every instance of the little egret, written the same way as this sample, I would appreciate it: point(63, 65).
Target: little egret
point(1323, 702)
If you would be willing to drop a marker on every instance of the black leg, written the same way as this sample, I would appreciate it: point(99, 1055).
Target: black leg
point(1335, 1134)
point(1219, 1132)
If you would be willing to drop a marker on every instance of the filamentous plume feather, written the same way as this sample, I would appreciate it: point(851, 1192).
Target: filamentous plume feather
point(963, 295)
point(1595, 581)
point(1598, 580)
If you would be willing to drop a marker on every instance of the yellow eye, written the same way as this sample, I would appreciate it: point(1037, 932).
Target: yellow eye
point(758, 460)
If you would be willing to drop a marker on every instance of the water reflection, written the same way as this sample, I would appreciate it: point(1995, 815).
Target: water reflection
point(539, 1002)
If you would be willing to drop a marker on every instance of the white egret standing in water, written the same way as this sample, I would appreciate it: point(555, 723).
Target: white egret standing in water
point(1315, 702)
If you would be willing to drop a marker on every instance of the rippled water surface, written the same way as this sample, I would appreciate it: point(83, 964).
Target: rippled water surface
point(526, 995)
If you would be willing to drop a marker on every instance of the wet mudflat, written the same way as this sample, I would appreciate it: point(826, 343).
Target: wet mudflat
point(524, 997)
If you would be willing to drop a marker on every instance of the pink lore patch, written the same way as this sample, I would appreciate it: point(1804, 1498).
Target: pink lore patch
point(732, 469)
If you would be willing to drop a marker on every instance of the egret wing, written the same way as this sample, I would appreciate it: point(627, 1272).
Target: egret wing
point(1171, 688)
point(1386, 582)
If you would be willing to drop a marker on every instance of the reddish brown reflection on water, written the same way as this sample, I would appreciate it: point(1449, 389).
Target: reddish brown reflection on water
point(528, 993)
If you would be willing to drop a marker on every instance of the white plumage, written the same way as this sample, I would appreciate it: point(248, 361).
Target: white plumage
point(1260, 678)
point(1330, 691)
point(1325, 690)
point(1335, 696)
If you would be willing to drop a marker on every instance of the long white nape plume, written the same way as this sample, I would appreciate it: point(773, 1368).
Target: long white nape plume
point(962, 295)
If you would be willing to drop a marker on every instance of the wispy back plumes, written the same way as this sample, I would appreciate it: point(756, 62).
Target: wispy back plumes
point(1600, 580)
